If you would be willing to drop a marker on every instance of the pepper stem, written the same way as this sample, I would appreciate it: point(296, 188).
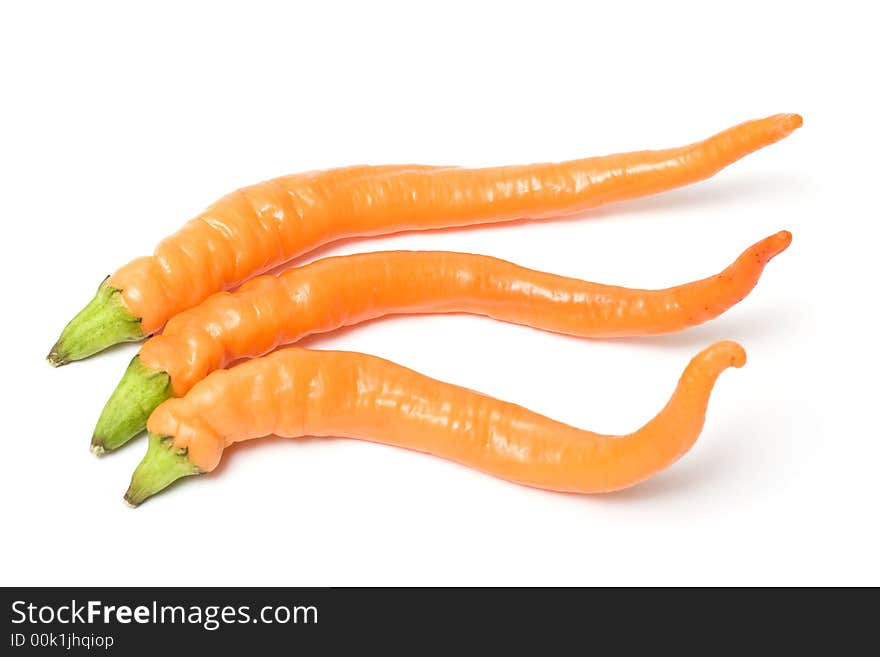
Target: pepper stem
point(104, 321)
point(162, 466)
point(125, 415)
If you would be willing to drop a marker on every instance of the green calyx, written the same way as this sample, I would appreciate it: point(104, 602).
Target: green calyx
point(125, 415)
point(105, 321)
point(162, 466)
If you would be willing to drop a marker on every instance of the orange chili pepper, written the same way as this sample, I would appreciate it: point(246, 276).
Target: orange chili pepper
point(259, 227)
point(273, 310)
point(298, 392)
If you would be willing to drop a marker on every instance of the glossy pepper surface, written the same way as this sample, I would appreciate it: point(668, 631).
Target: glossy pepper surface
point(270, 311)
point(259, 227)
point(298, 392)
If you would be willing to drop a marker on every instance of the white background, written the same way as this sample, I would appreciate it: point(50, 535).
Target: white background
point(118, 124)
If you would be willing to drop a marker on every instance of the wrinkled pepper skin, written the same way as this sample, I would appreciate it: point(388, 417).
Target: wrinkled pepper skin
point(299, 392)
point(259, 227)
point(270, 311)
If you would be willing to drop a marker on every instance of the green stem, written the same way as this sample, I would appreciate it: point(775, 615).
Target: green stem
point(105, 321)
point(162, 466)
point(125, 415)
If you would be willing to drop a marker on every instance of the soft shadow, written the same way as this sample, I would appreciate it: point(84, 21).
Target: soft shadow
point(734, 461)
point(724, 464)
point(710, 193)
point(232, 453)
point(235, 451)
point(748, 324)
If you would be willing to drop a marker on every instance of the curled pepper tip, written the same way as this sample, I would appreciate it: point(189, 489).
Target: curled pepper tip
point(727, 352)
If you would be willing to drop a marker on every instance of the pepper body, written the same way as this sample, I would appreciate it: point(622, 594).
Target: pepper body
point(259, 227)
point(270, 311)
point(299, 392)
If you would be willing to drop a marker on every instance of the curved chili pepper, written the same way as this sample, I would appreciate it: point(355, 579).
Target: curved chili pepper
point(273, 310)
point(262, 226)
point(297, 392)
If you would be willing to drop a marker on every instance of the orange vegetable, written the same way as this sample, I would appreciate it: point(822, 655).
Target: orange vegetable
point(298, 392)
point(259, 227)
point(269, 311)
